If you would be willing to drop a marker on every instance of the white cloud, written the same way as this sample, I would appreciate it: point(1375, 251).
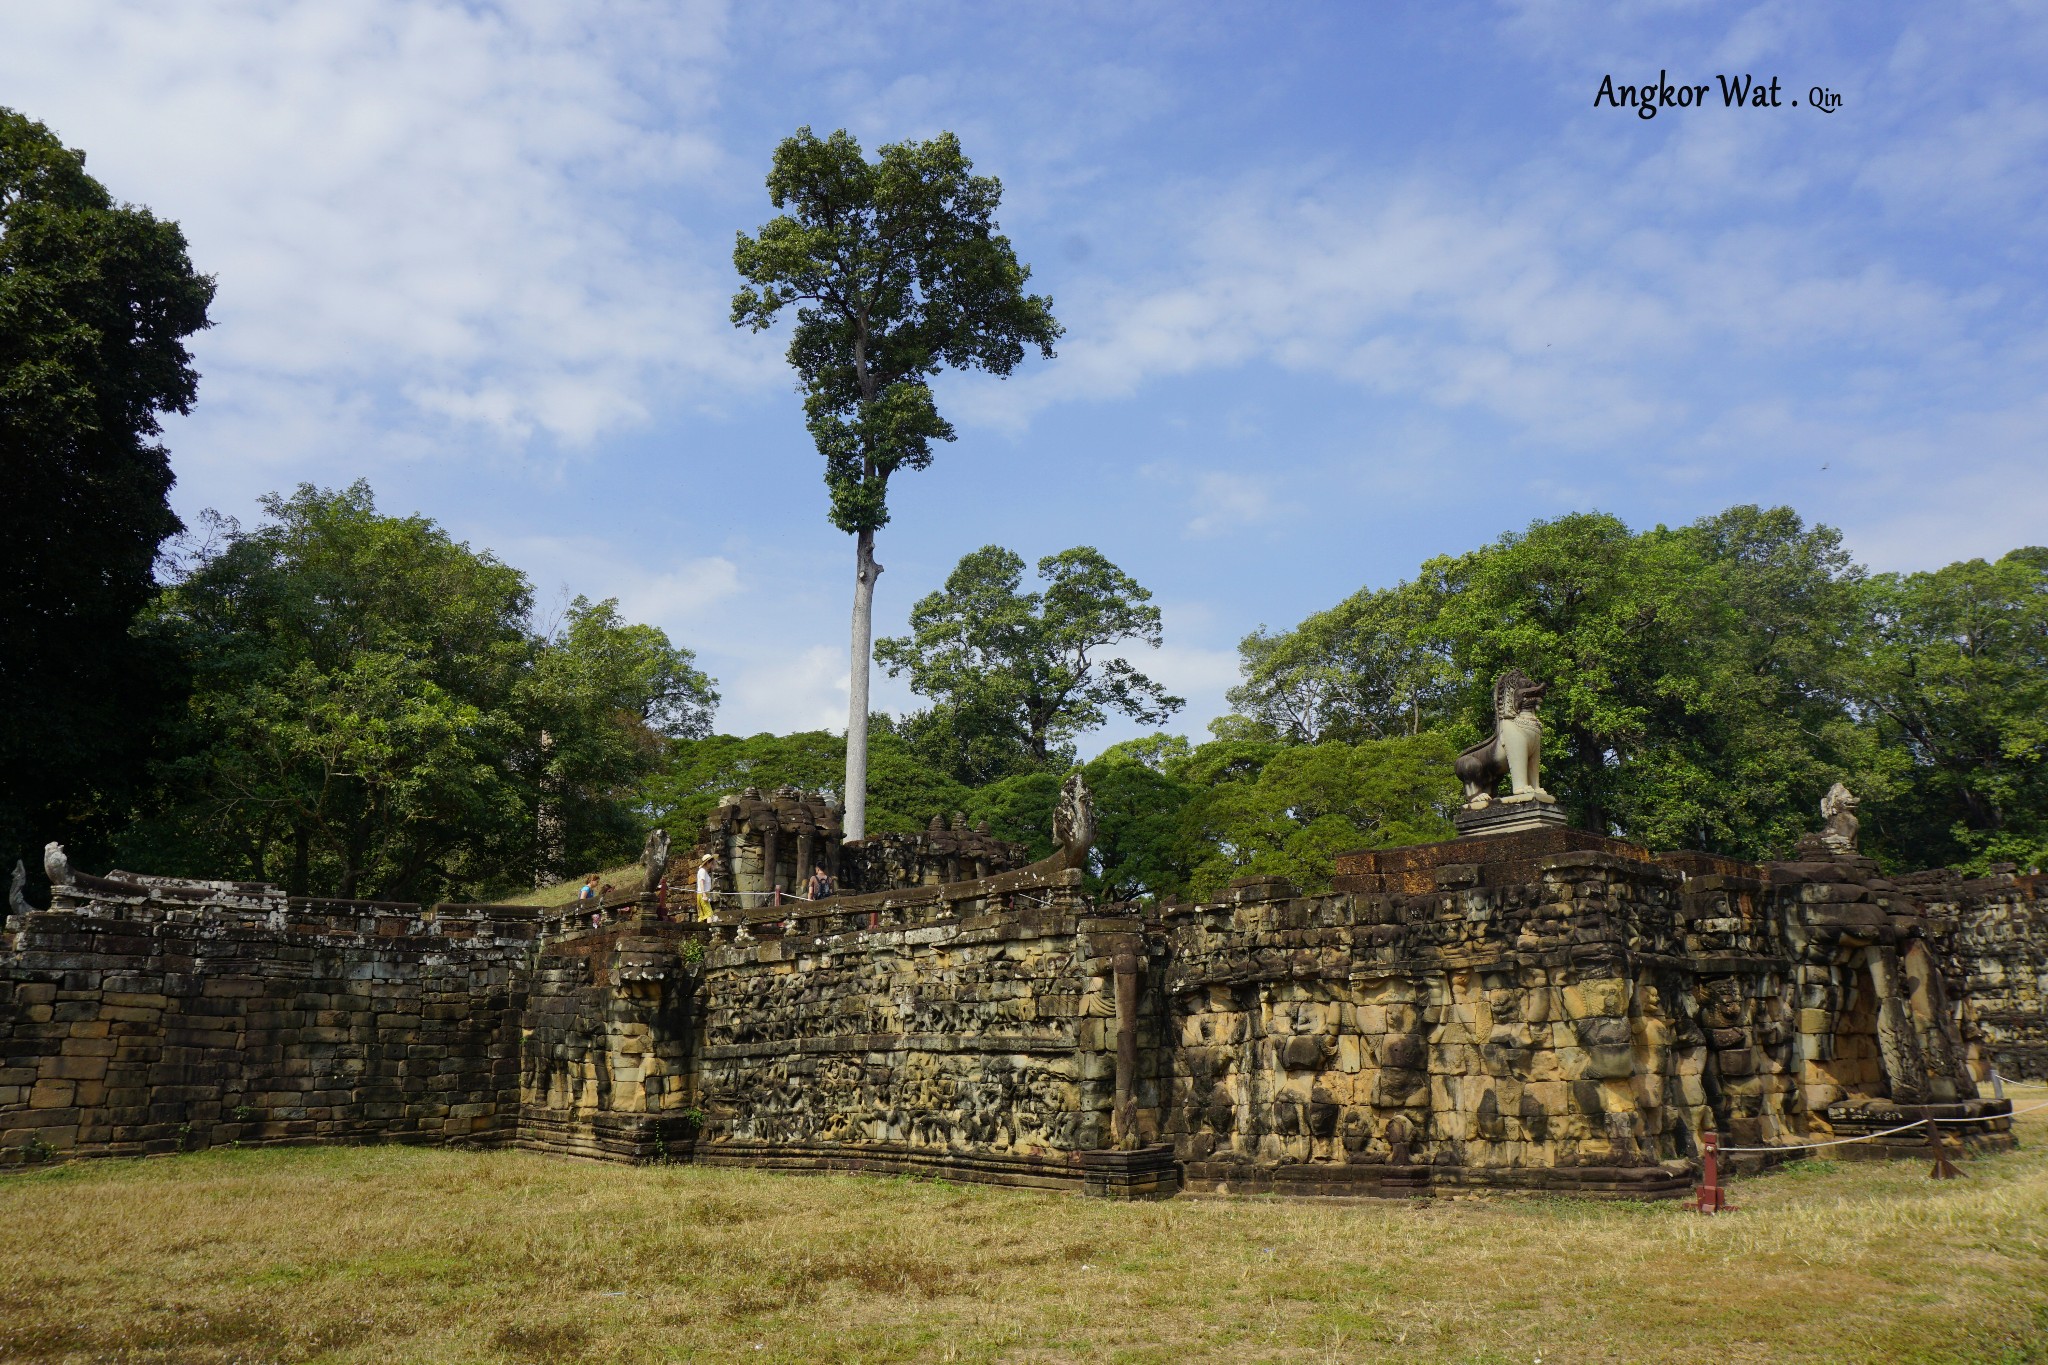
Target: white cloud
point(422, 215)
point(802, 688)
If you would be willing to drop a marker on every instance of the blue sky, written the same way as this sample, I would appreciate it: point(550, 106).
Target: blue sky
point(1345, 286)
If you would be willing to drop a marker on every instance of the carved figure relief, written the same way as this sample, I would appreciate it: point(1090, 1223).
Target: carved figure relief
point(1073, 821)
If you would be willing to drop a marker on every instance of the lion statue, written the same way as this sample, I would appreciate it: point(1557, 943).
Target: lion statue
point(1514, 751)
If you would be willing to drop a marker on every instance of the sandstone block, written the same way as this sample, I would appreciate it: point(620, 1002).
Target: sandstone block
point(50, 1094)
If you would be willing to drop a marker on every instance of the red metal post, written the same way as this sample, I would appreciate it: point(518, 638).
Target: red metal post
point(1711, 1198)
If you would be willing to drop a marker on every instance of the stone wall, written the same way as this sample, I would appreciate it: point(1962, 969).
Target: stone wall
point(150, 1016)
point(1999, 969)
point(608, 1042)
point(983, 1046)
point(1545, 1009)
point(1549, 1009)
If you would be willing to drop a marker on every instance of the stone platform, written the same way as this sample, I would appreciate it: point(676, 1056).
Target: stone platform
point(1509, 815)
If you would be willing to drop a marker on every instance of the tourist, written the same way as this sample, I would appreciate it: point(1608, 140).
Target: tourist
point(704, 887)
point(820, 885)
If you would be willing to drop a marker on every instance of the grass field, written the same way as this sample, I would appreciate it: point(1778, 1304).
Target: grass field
point(394, 1254)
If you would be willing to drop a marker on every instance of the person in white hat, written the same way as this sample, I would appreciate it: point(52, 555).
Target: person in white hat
point(704, 887)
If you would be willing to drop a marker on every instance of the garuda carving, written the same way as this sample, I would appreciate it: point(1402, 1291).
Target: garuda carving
point(56, 866)
point(1515, 750)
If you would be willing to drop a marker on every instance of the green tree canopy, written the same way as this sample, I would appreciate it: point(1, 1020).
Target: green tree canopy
point(96, 301)
point(1021, 674)
point(1292, 814)
point(896, 271)
point(371, 713)
point(1956, 684)
point(1698, 676)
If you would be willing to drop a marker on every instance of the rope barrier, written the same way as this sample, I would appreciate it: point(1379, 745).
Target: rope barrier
point(2013, 1114)
point(1838, 1142)
point(1889, 1132)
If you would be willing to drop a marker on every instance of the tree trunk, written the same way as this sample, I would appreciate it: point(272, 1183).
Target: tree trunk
point(866, 571)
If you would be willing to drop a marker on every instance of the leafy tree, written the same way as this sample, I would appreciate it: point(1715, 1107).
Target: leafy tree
point(598, 706)
point(972, 744)
point(1956, 683)
point(1141, 846)
point(1756, 722)
point(897, 272)
point(1591, 609)
point(1019, 808)
point(1697, 676)
point(1023, 673)
point(1293, 813)
point(96, 301)
point(1367, 668)
point(371, 714)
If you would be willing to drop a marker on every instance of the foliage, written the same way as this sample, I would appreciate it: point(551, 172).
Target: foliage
point(96, 301)
point(1141, 843)
point(1956, 684)
point(896, 271)
point(1019, 808)
point(1698, 676)
point(1293, 813)
point(371, 714)
point(1017, 675)
point(1365, 669)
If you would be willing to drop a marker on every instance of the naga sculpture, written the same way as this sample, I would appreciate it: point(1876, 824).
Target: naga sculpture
point(1073, 823)
point(1515, 749)
point(654, 859)
point(17, 903)
point(1838, 811)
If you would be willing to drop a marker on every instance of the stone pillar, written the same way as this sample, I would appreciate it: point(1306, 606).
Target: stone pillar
point(1123, 1121)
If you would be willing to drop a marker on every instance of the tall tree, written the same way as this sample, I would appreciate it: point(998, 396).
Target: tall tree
point(906, 792)
point(96, 300)
point(897, 271)
point(1032, 669)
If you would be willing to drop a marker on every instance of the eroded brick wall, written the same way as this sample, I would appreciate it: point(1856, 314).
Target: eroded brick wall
point(136, 1021)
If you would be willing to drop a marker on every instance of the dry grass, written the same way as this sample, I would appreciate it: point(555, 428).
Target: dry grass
point(562, 893)
point(379, 1254)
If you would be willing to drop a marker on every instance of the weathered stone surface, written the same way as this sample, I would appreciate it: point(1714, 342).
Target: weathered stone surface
point(168, 1016)
point(1541, 1010)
